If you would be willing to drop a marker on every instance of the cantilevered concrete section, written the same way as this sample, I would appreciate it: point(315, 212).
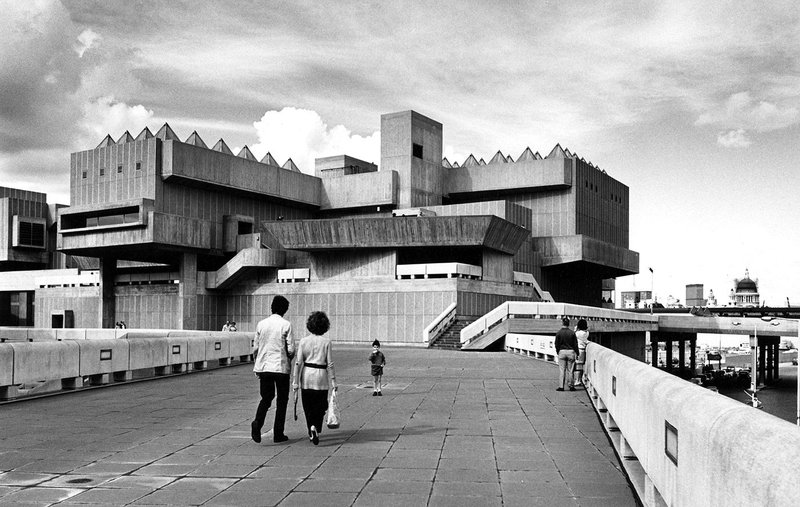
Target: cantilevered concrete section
point(450, 429)
point(398, 232)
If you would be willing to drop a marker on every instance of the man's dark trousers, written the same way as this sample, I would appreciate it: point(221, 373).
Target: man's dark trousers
point(270, 383)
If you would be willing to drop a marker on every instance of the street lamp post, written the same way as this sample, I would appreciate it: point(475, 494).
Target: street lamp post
point(754, 363)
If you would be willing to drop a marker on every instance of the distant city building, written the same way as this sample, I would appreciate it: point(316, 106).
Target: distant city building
point(745, 292)
point(187, 236)
point(694, 295)
point(712, 300)
point(636, 299)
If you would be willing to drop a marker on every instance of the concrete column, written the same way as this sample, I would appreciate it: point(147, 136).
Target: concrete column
point(770, 362)
point(692, 355)
point(187, 292)
point(777, 361)
point(762, 363)
point(654, 352)
point(682, 356)
point(108, 306)
point(669, 355)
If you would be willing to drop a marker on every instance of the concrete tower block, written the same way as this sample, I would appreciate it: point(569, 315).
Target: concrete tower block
point(411, 145)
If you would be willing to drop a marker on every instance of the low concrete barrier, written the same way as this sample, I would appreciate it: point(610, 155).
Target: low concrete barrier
point(685, 445)
point(101, 356)
point(539, 346)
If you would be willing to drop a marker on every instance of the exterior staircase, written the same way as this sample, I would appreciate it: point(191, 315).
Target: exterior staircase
point(451, 338)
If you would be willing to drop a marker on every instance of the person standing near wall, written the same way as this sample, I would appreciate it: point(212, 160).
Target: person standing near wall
point(567, 349)
point(273, 349)
point(582, 334)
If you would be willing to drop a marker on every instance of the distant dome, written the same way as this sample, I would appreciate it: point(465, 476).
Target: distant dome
point(746, 285)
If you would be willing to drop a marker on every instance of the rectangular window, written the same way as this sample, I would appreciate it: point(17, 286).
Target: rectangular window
point(138, 166)
point(83, 175)
point(671, 442)
point(102, 171)
point(119, 168)
point(416, 150)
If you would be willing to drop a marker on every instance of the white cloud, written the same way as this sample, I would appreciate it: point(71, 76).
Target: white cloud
point(734, 139)
point(86, 40)
point(106, 116)
point(302, 135)
point(741, 110)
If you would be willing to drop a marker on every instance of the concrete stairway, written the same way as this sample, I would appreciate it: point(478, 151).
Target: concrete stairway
point(451, 338)
point(244, 261)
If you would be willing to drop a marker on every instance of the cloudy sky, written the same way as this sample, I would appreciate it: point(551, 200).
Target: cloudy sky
point(694, 105)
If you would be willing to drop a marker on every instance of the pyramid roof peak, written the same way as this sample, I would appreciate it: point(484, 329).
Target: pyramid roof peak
point(509, 160)
point(125, 138)
point(498, 158)
point(222, 147)
point(471, 161)
point(557, 152)
point(526, 155)
point(246, 153)
point(165, 133)
point(144, 134)
point(289, 164)
point(446, 163)
point(269, 160)
point(455, 164)
point(481, 162)
point(196, 140)
point(106, 142)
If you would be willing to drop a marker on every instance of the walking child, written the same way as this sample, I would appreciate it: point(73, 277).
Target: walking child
point(377, 360)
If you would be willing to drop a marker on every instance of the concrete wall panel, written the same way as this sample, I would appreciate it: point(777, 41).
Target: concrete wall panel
point(103, 356)
point(35, 362)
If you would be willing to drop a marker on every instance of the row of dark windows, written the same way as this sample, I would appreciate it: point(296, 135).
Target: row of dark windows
point(119, 170)
point(596, 188)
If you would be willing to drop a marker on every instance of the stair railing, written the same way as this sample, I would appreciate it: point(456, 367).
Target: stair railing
point(439, 325)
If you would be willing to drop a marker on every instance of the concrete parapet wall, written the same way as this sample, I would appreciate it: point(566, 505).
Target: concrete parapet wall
point(119, 352)
point(693, 446)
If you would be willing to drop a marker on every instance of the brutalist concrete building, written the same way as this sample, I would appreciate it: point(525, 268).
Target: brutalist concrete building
point(188, 236)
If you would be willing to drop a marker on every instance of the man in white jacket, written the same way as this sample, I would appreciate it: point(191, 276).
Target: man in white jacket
point(273, 349)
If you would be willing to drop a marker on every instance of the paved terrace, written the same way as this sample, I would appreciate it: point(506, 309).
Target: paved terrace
point(452, 428)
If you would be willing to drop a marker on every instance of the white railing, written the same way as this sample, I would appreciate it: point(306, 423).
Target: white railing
point(537, 345)
point(682, 444)
point(294, 275)
point(439, 269)
point(511, 309)
point(433, 330)
point(79, 279)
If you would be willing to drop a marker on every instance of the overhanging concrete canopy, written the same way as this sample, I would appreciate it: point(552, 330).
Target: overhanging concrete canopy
point(486, 231)
point(559, 250)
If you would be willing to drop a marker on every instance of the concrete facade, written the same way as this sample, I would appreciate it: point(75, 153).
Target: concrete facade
point(188, 237)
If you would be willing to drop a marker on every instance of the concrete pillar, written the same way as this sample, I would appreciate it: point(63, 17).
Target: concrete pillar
point(108, 306)
point(654, 352)
point(187, 292)
point(693, 355)
point(682, 356)
point(770, 362)
point(762, 363)
point(777, 361)
point(669, 355)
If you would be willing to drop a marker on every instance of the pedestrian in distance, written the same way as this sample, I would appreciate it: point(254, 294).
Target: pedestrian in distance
point(567, 349)
point(314, 374)
point(582, 334)
point(273, 348)
point(378, 361)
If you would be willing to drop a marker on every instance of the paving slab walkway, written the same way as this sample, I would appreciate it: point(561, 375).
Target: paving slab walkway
point(451, 429)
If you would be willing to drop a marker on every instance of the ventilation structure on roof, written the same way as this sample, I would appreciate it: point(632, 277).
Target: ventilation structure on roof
point(29, 232)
